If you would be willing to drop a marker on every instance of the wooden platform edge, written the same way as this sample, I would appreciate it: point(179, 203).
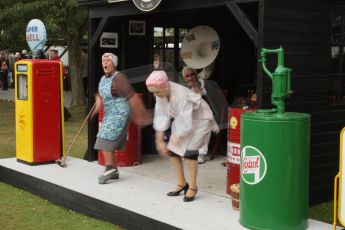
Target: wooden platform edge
point(79, 202)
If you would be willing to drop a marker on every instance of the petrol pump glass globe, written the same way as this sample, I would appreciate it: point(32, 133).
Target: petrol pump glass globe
point(36, 35)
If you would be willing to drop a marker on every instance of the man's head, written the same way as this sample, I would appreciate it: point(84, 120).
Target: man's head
point(189, 75)
point(158, 83)
point(109, 63)
point(53, 54)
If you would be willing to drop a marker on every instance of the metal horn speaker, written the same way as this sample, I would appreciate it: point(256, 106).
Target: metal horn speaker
point(200, 47)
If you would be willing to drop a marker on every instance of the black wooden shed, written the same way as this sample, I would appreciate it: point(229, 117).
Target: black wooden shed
point(312, 33)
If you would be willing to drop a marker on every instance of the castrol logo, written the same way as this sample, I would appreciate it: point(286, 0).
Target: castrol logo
point(253, 165)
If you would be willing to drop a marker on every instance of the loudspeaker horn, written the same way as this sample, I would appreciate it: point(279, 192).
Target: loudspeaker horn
point(206, 72)
point(200, 47)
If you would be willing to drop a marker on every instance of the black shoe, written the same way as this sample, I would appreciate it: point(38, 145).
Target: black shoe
point(176, 193)
point(190, 198)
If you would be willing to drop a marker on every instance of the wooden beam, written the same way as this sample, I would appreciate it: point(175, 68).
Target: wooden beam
point(91, 154)
point(98, 31)
point(244, 21)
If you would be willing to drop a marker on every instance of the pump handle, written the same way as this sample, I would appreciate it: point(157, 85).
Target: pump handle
point(264, 53)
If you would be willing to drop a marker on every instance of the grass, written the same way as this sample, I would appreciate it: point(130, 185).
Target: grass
point(22, 210)
point(322, 212)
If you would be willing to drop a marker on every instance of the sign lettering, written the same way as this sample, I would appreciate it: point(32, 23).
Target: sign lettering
point(253, 165)
point(36, 35)
point(146, 5)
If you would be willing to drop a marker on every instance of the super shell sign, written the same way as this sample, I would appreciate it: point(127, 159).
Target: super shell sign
point(36, 35)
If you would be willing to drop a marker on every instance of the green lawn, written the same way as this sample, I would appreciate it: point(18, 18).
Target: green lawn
point(22, 210)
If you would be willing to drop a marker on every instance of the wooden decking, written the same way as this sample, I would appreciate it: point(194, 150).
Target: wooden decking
point(135, 201)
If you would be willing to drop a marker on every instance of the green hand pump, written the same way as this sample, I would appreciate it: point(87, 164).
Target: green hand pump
point(281, 78)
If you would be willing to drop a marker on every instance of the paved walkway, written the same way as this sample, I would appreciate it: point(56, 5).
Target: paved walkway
point(8, 95)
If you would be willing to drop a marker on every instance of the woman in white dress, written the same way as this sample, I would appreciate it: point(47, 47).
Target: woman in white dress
point(192, 122)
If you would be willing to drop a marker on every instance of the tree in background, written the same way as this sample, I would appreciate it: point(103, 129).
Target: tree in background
point(68, 21)
point(65, 24)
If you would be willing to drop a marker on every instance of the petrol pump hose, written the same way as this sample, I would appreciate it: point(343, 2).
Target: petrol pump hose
point(62, 162)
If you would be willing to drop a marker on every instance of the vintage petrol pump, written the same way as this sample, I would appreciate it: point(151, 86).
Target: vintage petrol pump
point(38, 104)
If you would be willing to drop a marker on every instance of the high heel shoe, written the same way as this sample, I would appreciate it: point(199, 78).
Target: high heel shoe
point(190, 198)
point(176, 193)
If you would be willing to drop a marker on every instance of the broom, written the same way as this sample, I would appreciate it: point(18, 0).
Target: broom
point(62, 162)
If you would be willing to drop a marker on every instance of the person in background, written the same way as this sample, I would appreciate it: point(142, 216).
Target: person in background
point(190, 129)
point(117, 97)
point(169, 68)
point(54, 56)
point(190, 77)
point(4, 69)
point(24, 55)
point(192, 82)
point(17, 56)
point(11, 60)
point(157, 64)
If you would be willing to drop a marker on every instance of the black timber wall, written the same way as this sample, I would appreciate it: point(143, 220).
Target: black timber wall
point(302, 28)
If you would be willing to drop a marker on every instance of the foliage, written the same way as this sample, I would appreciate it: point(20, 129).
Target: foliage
point(62, 18)
point(65, 21)
point(65, 24)
point(14, 17)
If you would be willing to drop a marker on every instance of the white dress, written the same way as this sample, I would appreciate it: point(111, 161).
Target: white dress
point(193, 118)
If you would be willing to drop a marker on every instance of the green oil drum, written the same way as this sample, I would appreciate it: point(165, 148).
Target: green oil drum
point(274, 180)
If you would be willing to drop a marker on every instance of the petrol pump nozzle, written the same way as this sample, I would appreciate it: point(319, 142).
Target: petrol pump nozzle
point(281, 78)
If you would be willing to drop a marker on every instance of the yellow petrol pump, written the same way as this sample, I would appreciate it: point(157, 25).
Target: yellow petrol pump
point(39, 110)
point(38, 103)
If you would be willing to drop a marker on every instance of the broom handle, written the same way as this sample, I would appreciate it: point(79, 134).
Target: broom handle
point(77, 135)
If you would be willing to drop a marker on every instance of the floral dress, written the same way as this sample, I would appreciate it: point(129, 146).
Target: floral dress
point(116, 111)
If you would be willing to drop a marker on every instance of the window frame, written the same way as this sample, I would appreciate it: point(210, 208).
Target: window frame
point(176, 49)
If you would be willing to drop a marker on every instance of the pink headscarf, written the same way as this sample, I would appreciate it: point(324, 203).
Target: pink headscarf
point(157, 79)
